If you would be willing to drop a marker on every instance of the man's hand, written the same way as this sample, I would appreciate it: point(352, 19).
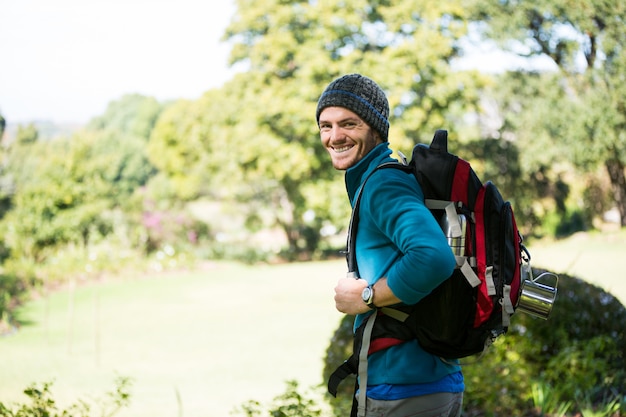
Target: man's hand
point(348, 298)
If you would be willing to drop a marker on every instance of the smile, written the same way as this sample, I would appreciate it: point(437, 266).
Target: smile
point(343, 149)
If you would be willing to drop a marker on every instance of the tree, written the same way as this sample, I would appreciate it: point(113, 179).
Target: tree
point(70, 185)
point(190, 143)
point(132, 114)
point(524, 113)
point(27, 134)
point(586, 41)
point(5, 180)
point(292, 50)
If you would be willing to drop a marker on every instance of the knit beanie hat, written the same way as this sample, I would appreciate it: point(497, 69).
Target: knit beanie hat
point(360, 95)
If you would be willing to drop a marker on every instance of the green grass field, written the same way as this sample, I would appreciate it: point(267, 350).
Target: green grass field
point(595, 257)
point(195, 343)
point(199, 343)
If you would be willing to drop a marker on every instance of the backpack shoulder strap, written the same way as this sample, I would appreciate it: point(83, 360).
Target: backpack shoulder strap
point(354, 217)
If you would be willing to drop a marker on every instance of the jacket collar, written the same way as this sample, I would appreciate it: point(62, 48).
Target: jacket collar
point(357, 173)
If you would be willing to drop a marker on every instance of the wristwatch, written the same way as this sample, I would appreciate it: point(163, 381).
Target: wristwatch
point(368, 296)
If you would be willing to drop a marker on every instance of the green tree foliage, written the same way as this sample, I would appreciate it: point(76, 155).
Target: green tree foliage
point(190, 146)
point(586, 42)
point(27, 134)
point(64, 191)
point(520, 149)
point(72, 192)
point(6, 186)
point(132, 114)
point(258, 131)
point(73, 182)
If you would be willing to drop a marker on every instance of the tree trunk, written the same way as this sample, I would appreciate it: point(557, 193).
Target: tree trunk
point(615, 168)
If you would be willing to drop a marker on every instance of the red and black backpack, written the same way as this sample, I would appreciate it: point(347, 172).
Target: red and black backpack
point(469, 310)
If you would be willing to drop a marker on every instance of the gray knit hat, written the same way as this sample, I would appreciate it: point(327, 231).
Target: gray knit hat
point(361, 95)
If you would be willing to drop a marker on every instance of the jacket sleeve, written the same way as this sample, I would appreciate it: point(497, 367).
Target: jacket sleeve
point(395, 203)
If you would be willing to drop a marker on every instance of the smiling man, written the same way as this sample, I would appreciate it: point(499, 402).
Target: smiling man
point(401, 253)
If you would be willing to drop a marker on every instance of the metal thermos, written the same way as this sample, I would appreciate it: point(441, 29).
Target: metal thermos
point(455, 240)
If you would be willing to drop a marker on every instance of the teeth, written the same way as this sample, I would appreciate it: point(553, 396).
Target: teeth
point(340, 150)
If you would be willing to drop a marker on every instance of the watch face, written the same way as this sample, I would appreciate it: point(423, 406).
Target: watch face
point(366, 294)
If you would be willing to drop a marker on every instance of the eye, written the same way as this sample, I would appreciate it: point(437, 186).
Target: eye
point(324, 126)
point(349, 124)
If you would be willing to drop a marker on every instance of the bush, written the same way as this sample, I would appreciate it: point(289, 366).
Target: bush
point(289, 404)
point(42, 403)
point(340, 349)
point(577, 355)
point(13, 289)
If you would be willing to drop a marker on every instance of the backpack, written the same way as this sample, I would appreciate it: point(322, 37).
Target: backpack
point(470, 309)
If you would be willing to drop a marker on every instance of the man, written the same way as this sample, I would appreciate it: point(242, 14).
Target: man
point(401, 252)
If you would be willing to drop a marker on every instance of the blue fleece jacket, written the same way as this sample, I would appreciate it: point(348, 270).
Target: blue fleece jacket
point(398, 238)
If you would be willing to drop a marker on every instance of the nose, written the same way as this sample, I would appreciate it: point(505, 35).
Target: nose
point(335, 133)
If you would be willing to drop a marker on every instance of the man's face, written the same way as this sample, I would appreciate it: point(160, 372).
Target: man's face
point(346, 137)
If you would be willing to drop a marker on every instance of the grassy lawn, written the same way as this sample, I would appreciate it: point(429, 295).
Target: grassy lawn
point(595, 257)
point(195, 344)
point(199, 343)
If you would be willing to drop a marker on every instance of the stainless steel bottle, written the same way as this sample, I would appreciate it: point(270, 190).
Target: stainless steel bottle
point(456, 240)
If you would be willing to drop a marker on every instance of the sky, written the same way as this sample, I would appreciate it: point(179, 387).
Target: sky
point(64, 61)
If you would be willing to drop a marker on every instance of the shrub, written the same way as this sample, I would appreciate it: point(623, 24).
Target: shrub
point(578, 355)
point(339, 349)
point(14, 284)
point(289, 404)
point(42, 403)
